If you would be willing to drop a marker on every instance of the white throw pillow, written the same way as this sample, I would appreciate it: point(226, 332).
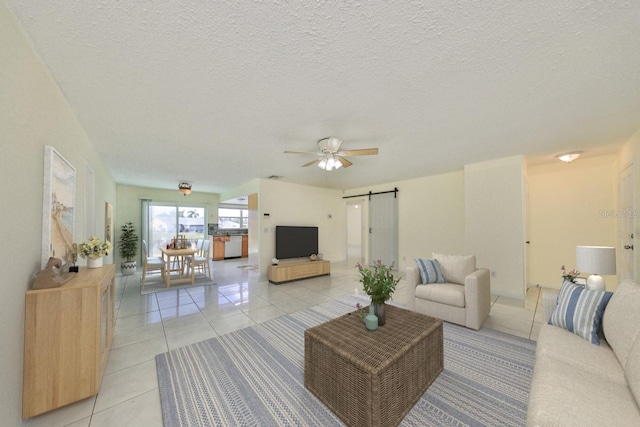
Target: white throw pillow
point(456, 267)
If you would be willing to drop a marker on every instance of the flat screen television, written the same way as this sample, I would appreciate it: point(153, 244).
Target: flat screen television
point(296, 242)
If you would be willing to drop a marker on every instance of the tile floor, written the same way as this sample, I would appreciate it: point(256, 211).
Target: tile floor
point(150, 324)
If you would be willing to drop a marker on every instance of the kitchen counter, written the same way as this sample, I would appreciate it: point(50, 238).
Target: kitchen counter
point(232, 246)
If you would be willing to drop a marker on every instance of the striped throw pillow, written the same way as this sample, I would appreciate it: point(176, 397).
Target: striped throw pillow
point(580, 311)
point(430, 271)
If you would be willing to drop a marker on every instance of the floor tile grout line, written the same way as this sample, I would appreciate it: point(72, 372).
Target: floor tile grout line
point(257, 283)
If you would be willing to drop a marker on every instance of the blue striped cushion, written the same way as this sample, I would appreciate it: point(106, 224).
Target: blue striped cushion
point(430, 271)
point(580, 310)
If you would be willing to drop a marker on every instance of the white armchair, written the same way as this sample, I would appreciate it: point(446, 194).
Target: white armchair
point(464, 297)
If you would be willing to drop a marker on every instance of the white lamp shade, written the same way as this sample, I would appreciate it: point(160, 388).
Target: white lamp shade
point(596, 259)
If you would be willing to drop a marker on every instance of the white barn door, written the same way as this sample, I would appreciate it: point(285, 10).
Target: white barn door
point(383, 228)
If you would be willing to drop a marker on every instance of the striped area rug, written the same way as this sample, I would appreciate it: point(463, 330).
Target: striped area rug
point(255, 377)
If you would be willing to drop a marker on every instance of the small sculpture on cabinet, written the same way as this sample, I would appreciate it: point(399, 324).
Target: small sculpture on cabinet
point(52, 276)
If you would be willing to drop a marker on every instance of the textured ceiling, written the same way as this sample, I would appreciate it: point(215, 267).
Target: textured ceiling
point(214, 92)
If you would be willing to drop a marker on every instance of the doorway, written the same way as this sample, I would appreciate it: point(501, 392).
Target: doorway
point(627, 216)
point(354, 233)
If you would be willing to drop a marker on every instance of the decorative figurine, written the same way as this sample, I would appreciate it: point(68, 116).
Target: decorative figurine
point(51, 276)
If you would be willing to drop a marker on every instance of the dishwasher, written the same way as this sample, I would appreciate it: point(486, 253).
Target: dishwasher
point(233, 248)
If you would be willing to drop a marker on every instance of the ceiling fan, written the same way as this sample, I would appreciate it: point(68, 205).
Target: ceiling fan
point(331, 157)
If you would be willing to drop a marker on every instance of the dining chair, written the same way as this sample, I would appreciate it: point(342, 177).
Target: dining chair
point(201, 262)
point(199, 244)
point(151, 263)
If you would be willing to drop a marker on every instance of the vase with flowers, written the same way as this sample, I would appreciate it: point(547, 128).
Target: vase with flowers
point(94, 249)
point(379, 283)
point(571, 275)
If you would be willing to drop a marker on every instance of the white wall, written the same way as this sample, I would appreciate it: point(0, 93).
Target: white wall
point(294, 204)
point(430, 215)
point(495, 221)
point(33, 113)
point(566, 202)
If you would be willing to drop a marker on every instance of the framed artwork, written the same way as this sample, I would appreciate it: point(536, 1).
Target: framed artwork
point(58, 207)
point(108, 222)
point(89, 200)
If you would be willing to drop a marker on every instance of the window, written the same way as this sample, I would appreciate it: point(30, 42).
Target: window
point(167, 221)
point(233, 217)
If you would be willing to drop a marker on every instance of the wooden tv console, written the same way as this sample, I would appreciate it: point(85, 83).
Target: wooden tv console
point(297, 269)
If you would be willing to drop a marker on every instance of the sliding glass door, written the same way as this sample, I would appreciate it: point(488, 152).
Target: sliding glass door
point(168, 221)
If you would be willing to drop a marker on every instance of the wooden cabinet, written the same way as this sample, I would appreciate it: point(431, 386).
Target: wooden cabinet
point(287, 271)
point(218, 248)
point(67, 337)
point(219, 251)
point(245, 246)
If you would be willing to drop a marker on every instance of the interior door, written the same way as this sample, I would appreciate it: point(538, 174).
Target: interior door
point(626, 224)
point(383, 228)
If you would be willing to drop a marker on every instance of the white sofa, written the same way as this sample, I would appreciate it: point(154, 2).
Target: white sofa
point(465, 297)
point(576, 383)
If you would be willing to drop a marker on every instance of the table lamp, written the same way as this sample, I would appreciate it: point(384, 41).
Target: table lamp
point(597, 260)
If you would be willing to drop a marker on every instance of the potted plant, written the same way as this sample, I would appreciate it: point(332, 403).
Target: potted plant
point(378, 282)
point(128, 248)
point(94, 249)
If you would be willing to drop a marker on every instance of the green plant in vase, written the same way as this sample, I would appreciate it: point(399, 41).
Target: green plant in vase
point(379, 283)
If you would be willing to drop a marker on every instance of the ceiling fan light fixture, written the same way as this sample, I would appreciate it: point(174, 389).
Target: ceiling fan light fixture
point(184, 188)
point(329, 163)
point(569, 157)
point(330, 144)
point(329, 155)
point(336, 163)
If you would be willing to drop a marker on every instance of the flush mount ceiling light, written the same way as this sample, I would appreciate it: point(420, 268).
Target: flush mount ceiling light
point(569, 157)
point(184, 188)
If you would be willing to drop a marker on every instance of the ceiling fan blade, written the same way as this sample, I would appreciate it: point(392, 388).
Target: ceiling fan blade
point(301, 152)
point(311, 163)
point(360, 152)
point(345, 163)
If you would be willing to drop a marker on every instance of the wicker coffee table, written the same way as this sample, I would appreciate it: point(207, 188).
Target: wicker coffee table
point(373, 378)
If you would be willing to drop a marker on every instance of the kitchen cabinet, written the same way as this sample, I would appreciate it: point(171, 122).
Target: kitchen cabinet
point(67, 337)
point(234, 246)
point(245, 246)
point(218, 248)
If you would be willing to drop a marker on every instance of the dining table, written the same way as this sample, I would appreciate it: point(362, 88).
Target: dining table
point(179, 258)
